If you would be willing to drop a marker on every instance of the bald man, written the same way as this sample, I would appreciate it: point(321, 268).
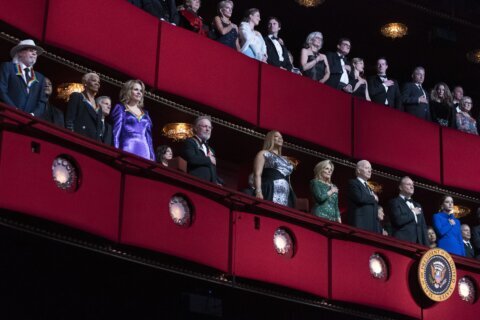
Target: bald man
point(362, 201)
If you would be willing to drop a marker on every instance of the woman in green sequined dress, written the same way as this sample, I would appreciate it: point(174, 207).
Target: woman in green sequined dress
point(325, 193)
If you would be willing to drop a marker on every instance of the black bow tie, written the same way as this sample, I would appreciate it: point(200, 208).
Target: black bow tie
point(409, 200)
point(383, 77)
point(274, 38)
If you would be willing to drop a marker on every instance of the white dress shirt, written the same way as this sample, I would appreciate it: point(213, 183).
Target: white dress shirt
point(278, 47)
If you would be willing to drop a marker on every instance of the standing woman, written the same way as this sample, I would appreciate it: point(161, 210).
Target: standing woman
point(189, 18)
point(314, 64)
point(325, 193)
point(251, 41)
point(441, 105)
point(132, 127)
point(358, 82)
point(272, 172)
point(223, 29)
point(448, 228)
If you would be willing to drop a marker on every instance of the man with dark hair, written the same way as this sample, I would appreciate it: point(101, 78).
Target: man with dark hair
point(20, 85)
point(384, 90)
point(276, 51)
point(414, 97)
point(52, 114)
point(406, 215)
point(339, 69)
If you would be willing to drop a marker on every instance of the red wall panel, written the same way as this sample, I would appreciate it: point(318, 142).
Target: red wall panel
point(26, 186)
point(207, 72)
point(26, 15)
point(305, 109)
point(352, 282)
point(111, 32)
point(397, 140)
point(256, 258)
point(461, 159)
point(146, 223)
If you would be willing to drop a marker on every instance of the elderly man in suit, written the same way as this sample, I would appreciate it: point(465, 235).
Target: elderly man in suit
point(406, 215)
point(414, 97)
point(106, 131)
point(466, 235)
point(362, 201)
point(276, 51)
point(20, 85)
point(384, 90)
point(200, 157)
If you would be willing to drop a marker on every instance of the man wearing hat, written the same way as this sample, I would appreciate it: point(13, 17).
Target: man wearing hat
point(20, 85)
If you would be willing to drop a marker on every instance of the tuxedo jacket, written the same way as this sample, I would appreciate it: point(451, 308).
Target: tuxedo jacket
point(106, 135)
point(469, 252)
point(336, 70)
point(273, 58)
point(198, 164)
point(54, 115)
point(82, 118)
point(378, 94)
point(410, 95)
point(162, 9)
point(362, 207)
point(476, 239)
point(404, 225)
point(13, 90)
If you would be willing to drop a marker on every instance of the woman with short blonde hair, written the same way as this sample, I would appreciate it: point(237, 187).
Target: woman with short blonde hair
point(325, 193)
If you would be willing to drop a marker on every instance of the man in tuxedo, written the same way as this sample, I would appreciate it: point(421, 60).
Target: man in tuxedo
point(200, 157)
point(362, 201)
point(476, 235)
point(106, 133)
point(383, 90)
point(20, 85)
point(276, 50)
point(163, 9)
point(52, 114)
point(406, 215)
point(457, 99)
point(339, 69)
point(469, 249)
point(414, 97)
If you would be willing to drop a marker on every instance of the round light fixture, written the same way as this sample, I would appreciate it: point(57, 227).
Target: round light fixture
point(180, 210)
point(466, 290)
point(310, 3)
point(394, 30)
point(177, 131)
point(65, 173)
point(474, 56)
point(283, 243)
point(378, 267)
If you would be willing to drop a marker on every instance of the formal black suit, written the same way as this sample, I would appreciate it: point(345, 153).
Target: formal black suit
point(13, 90)
point(469, 250)
point(336, 70)
point(476, 239)
point(198, 164)
point(410, 94)
point(106, 135)
point(54, 115)
point(403, 222)
point(378, 94)
point(82, 118)
point(273, 57)
point(362, 207)
point(162, 9)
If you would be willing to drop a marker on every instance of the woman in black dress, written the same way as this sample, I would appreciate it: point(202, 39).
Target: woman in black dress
point(441, 105)
point(313, 63)
point(223, 30)
point(358, 82)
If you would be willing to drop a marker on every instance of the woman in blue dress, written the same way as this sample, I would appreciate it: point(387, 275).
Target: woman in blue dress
point(448, 228)
point(132, 127)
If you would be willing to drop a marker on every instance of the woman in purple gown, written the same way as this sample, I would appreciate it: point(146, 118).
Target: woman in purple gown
point(132, 127)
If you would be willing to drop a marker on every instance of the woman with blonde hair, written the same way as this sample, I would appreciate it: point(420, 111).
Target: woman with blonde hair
point(325, 193)
point(358, 82)
point(251, 41)
point(314, 64)
point(132, 126)
point(223, 29)
point(272, 171)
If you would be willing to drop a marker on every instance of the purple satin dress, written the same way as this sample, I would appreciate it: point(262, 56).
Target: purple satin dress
point(132, 134)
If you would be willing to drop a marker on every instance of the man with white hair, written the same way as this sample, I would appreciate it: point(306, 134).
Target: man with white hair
point(20, 85)
point(362, 201)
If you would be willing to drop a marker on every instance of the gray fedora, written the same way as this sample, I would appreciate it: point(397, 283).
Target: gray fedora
point(25, 44)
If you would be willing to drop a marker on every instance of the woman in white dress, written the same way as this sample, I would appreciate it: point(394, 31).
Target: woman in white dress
point(251, 41)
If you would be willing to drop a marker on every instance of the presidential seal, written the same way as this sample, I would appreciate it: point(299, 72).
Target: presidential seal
point(437, 274)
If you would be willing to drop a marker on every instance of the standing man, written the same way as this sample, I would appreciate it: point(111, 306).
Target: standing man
point(52, 114)
point(106, 132)
point(362, 201)
point(476, 235)
point(20, 85)
point(339, 69)
point(469, 249)
point(383, 90)
point(276, 51)
point(414, 98)
point(200, 157)
point(406, 215)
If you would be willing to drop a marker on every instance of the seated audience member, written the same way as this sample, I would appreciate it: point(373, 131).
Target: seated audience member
point(223, 29)
point(476, 235)
point(251, 186)
point(132, 126)
point(52, 114)
point(432, 237)
point(189, 18)
point(106, 130)
point(251, 41)
point(358, 82)
point(164, 154)
point(325, 193)
point(447, 228)
point(469, 249)
point(339, 69)
point(276, 51)
point(414, 98)
point(165, 10)
point(20, 85)
point(381, 219)
point(464, 120)
point(294, 69)
point(200, 157)
point(384, 90)
point(441, 105)
point(272, 172)
point(83, 116)
point(314, 64)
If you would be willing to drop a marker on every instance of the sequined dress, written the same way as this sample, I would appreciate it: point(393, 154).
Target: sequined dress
point(275, 180)
point(325, 206)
